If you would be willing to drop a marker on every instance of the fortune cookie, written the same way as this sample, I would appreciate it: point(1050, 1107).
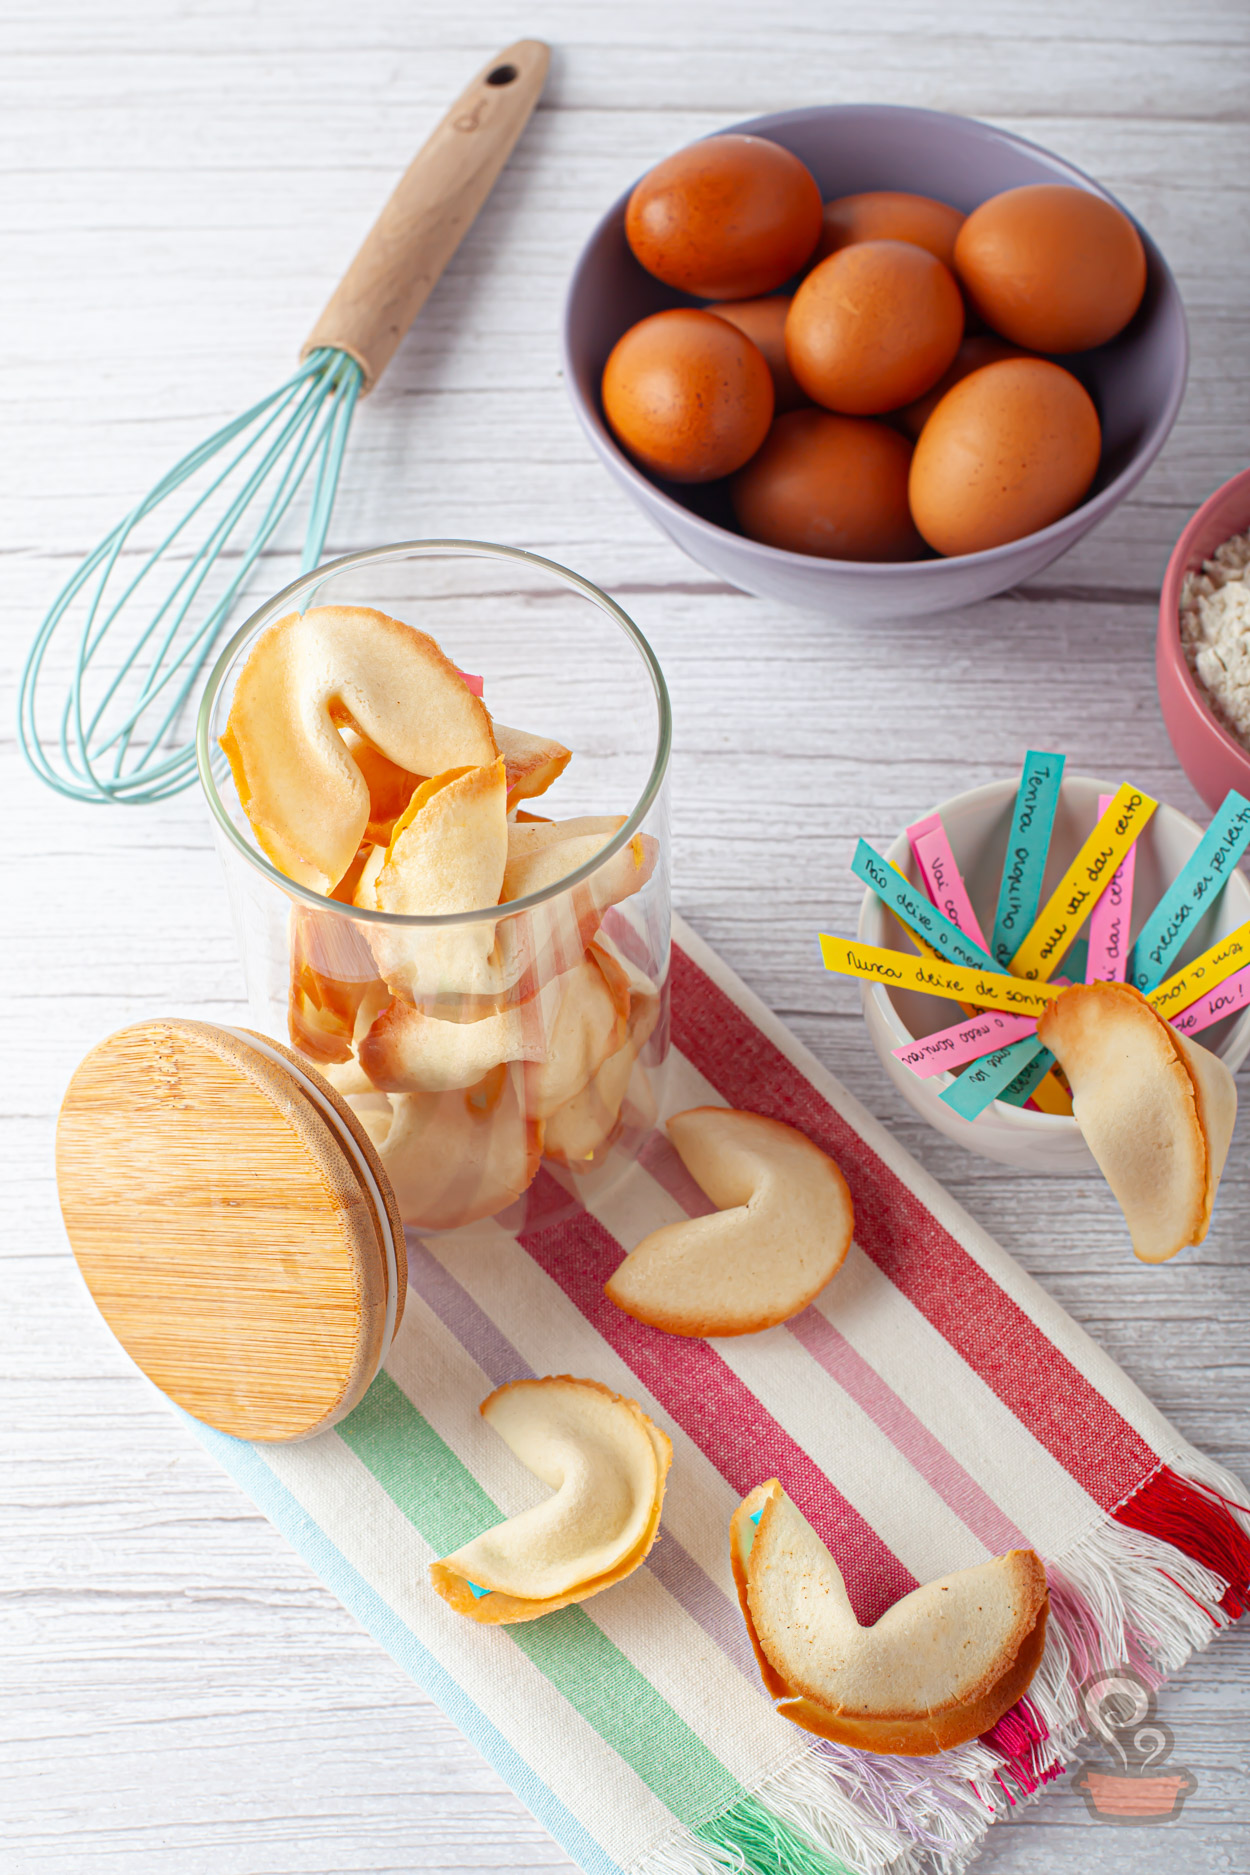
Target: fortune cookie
point(939, 1668)
point(306, 677)
point(532, 762)
point(606, 1464)
point(567, 1029)
point(332, 974)
point(1156, 1110)
point(408, 1050)
point(586, 1125)
point(589, 1024)
point(541, 853)
point(462, 1155)
point(447, 855)
point(782, 1231)
point(390, 787)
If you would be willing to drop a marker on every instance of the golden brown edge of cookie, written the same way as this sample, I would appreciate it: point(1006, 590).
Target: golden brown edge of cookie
point(498, 1608)
point(922, 1738)
point(703, 1326)
point(903, 1734)
point(737, 1528)
point(1131, 997)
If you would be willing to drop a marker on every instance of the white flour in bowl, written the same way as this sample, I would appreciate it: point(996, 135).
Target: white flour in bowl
point(1215, 631)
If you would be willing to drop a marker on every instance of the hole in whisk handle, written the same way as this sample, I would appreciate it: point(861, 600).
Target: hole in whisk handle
point(502, 75)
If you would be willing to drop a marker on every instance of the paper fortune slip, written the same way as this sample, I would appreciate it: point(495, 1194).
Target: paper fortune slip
point(1231, 996)
point(1072, 900)
point(874, 963)
point(1223, 960)
point(1192, 893)
point(963, 1041)
point(1003, 987)
point(1027, 847)
point(931, 848)
point(919, 913)
point(1016, 1072)
point(1111, 919)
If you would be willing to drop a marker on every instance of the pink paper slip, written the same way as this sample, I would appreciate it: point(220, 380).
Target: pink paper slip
point(964, 1041)
point(1225, 1000)
point(942, 878)
point(1110, 920)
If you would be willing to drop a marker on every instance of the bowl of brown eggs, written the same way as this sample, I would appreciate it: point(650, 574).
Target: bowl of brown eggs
point(870, 360)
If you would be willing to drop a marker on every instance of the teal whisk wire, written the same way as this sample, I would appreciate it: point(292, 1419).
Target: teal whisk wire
point(114, 736)
point(106, 688)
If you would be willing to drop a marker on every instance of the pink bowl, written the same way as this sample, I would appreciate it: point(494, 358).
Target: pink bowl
point(1211, 756)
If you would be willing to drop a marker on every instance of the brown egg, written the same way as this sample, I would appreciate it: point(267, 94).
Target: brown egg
point(982, 348)
point(890, 215)
point(689, 396)
point(1052, 267)
point(728, 218)
point(873, 327)
point(1007, 451)
point(764, 322)
point(831, 486)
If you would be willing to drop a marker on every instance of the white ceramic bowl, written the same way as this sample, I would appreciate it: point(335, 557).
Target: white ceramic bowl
point(977, 824)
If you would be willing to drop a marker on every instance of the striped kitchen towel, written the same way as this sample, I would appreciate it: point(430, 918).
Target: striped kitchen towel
point(932, 1408)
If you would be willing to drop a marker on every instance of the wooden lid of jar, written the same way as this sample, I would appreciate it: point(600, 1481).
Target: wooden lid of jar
point(233, 1223)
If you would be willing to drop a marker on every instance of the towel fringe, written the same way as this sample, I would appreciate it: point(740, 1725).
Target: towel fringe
point(1199, 1519)
point(1144, 1588)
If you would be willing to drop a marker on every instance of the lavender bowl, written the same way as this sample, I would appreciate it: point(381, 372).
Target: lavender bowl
point(1136, 381)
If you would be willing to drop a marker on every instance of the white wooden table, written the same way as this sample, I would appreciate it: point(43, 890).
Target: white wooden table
point(181, 186)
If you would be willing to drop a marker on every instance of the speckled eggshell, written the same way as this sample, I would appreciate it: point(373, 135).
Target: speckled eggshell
point(873, 327)
point(1010, 449)
point(727, 218)
point(764, 322)
point(689, 396)
point(981, 348)
point(831, 486)
point(1052, 267)
point(890, 215)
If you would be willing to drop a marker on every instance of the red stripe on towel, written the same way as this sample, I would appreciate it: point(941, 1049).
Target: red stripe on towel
point(1047, 1394)
point(707, 1400)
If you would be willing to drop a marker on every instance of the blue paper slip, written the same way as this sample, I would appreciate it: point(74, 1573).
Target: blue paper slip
point(1191, 895)
point(1024, 864)
point(1029, 1077)
point(986, 1080)
point(917, 910)
point(1074, 967)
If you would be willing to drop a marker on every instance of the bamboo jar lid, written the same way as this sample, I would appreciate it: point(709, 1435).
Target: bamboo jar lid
point(233, 1223)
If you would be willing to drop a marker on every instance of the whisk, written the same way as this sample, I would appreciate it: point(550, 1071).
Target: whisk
point(132, 644)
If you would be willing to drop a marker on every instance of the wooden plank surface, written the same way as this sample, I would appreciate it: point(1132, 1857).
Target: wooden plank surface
point(179, 189)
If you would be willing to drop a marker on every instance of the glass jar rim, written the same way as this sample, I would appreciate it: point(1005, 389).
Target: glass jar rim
point(430, 549)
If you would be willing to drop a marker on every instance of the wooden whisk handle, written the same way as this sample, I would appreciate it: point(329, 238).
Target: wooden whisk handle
point(431, 211)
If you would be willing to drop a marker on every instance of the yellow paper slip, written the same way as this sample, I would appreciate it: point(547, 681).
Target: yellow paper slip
point(1076, 894)
point(1207, 972)
point(1051, 1096)
point(935, 977)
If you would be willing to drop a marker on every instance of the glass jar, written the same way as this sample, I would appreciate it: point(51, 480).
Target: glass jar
point(505, 1061)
